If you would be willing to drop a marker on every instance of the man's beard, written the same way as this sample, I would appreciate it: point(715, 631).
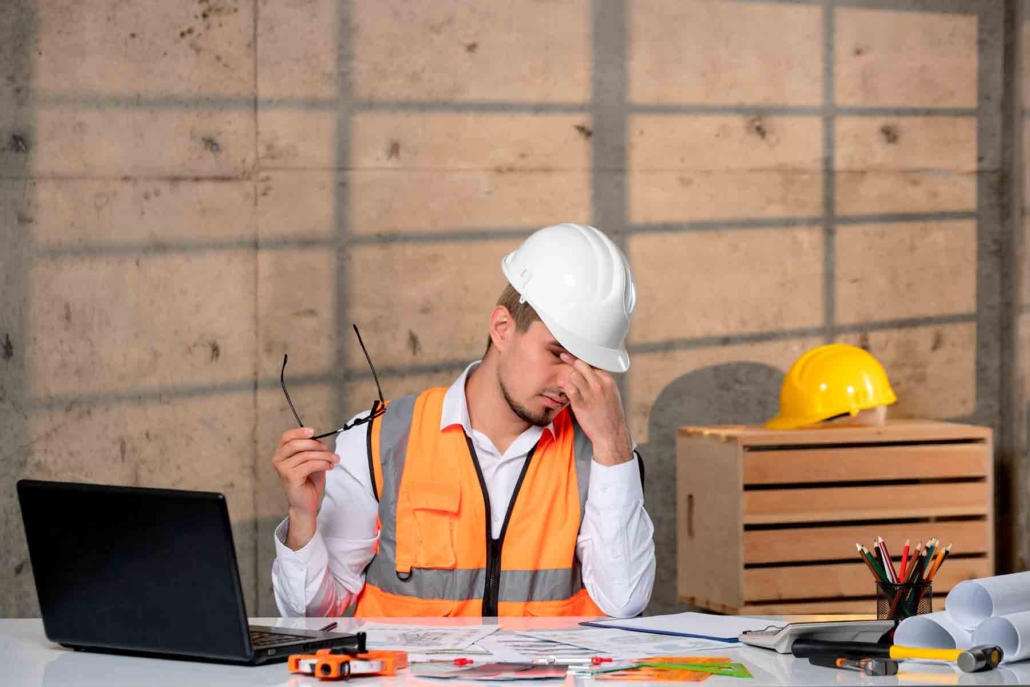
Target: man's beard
point(541, 419)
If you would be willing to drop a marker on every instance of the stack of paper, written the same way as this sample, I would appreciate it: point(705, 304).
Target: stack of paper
point(433, 642)
point(621, 644)
point(424, 639)
point(992, 610)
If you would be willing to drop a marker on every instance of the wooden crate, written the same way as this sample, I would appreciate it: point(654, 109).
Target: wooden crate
point(768, 520)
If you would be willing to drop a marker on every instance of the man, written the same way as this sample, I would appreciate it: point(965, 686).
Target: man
point(489, 497)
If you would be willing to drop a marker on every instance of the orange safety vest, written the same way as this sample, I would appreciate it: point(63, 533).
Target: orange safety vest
point(436, 554)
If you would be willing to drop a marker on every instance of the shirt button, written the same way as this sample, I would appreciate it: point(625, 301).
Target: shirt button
point(604, 489)
point(617, 554)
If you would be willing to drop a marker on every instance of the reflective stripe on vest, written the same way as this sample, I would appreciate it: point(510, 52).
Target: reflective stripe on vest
point(450, 502)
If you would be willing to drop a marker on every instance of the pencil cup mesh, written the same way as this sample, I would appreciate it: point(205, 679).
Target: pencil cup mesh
point(900, 601)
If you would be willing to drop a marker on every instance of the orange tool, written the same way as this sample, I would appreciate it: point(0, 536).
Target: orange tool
point(326, 665)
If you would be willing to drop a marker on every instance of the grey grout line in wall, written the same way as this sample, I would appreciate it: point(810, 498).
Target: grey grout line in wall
point(990, 227)
point(341, 205)
point(170, 393)
point(800, 110)
point(609, 200)
point(53, 100)
point(716, 341)
point(829, 177)
point(256, 458)
point(300, 242)
point(939, 6)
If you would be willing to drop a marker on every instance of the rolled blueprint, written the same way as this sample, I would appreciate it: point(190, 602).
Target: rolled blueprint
point(932, 631)
point(973, 601)
point(1010, 632)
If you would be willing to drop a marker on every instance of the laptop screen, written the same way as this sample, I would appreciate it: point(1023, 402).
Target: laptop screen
point(133, 569)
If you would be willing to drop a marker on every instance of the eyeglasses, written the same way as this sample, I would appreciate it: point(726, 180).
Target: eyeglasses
point(378, 406)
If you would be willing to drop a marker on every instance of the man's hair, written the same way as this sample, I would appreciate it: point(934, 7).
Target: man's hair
point(521, 312)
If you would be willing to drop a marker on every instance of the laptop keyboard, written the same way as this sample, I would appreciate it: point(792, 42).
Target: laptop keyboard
point(263, 640)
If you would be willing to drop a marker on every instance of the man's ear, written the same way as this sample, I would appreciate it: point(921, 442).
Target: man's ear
point(502, 328)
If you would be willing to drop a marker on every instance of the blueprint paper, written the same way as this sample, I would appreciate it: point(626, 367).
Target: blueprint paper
point(623, 644)
point(973, 601)
point(424, 639)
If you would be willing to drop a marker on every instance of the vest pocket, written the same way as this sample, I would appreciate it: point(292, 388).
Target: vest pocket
point(435, 506)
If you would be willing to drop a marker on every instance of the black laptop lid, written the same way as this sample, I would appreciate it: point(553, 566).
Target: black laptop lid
point(131, 569)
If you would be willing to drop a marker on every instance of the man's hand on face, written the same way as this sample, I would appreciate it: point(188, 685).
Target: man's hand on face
point(595, 399)
point(301, 463)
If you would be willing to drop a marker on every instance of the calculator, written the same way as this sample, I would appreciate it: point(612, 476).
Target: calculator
point(781, 638)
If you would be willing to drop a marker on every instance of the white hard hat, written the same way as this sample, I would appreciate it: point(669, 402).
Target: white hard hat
point(580, 285)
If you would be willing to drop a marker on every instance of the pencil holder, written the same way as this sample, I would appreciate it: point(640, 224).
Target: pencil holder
point(900, 601)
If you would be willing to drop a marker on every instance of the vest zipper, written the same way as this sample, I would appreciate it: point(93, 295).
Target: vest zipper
point(492, 588)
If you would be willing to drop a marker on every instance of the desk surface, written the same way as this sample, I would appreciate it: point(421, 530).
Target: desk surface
point(29, 659)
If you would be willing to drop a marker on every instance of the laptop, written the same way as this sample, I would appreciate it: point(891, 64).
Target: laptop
point(148, 572)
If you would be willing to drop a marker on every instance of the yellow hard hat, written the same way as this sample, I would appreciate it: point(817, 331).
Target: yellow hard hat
point(831, 380)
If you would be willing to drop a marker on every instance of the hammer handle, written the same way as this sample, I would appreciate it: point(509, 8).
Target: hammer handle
point(934, 654)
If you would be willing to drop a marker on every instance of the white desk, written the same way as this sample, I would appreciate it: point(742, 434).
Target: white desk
point(27, 658)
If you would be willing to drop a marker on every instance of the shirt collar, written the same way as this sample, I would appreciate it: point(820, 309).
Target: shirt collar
point(455, 404)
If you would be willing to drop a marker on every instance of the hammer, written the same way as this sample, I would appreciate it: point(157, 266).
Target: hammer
point(969, 660)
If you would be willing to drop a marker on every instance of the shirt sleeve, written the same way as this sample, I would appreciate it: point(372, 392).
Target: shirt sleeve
point(616, 540)
point(325, 576)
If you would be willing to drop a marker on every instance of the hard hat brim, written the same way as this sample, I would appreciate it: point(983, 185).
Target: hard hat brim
point(608, 359)
point(785, 422)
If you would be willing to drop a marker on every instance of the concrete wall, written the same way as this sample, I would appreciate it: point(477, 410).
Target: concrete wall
point(191, 190)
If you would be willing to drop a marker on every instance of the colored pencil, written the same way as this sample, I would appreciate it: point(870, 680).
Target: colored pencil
point(920, 547)
point(904, 560)
point(883, 559)
point(867, 561)
point(890, 564)
point(917, 566)
point(879, 558)
point(880, 574)
point(940, 561)
point(931, 549)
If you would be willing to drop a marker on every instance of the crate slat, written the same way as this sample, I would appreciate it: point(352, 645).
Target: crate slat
point(865, 503)
point(861, 609)
point(925, 431)
point(843, 580)
point(805, 466)
point(835, 543)
point(857, 609)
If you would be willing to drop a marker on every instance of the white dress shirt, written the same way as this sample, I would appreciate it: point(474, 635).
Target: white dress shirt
point(615, 543)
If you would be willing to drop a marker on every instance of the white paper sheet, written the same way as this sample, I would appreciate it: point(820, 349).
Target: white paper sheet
point(515, 647)
point(486, 673)
point(475, 652)
point(691, 624)
point(932, 631)
point(622, 644)
point(424, 638)
point(1010, 632)
point(973, 601)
